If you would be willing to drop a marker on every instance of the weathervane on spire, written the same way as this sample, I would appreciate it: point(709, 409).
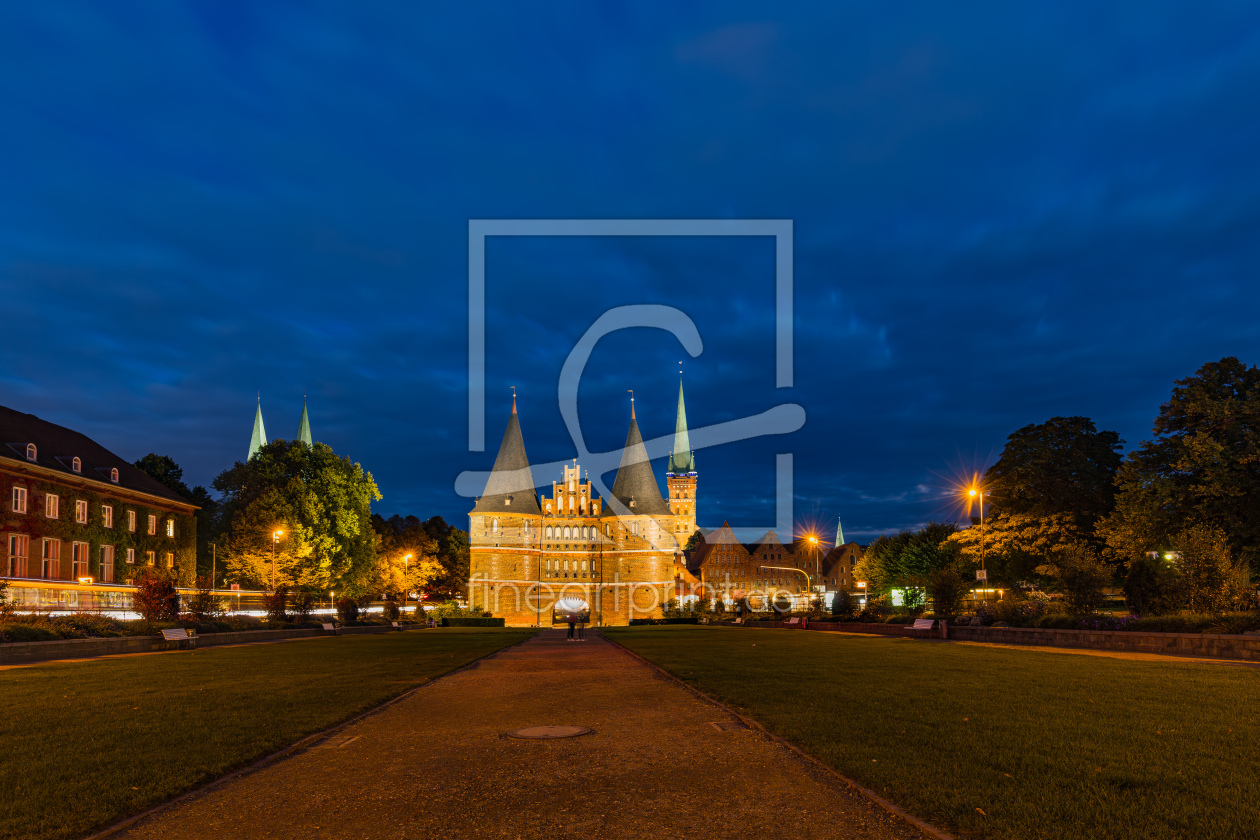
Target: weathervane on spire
point(631, 390)
point(513, 387)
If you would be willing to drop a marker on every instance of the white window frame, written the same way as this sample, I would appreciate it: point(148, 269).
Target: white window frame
point(107, 564)
point(113, 475)
point(19, 551)
point(81, 511)
point(32, 453)
point(170, 559)
point(52, 506)
point(107, 516)
point(152, 525)
point(19, 499)
point(170, 527)
point(131, 521)
point(76, 464)
point(80, 564)
point(150, 558)
point(131, 557)
point(47, 558)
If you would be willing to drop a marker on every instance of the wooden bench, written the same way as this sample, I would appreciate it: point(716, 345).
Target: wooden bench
point(738, 621)
point(395, 625)
point(330, 629)
point(793, 622)
point(921, 624)
point(185, 638)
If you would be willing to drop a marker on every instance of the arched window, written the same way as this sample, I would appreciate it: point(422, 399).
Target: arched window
point(30, 452)
point(548, 532)
point(568, 534)
point(113, 475)
point(494, 525)
point(572, 505)
point(570, 485)
point(76, 464)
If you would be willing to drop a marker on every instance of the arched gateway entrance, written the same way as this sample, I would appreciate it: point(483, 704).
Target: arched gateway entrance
point(565, 607)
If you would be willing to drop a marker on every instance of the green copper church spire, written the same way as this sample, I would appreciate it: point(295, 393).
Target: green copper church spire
point(839, 533)
point(683, 460)
point(259, 440)
point(304, 428)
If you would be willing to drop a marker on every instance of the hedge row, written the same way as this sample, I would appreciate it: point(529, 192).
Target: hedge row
point(470, 621)
point(684, 620)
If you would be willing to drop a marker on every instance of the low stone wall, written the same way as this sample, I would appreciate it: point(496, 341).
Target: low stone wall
point(20, 652)
point(1213, 645)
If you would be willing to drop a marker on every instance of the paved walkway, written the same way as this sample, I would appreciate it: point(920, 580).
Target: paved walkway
point(437, 765)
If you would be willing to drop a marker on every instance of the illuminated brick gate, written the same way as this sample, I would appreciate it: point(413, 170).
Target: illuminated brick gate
point(527, 553)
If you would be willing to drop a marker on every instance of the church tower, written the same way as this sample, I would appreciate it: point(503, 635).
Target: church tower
point(304, 426)
point(259, 438)
point(681, 477)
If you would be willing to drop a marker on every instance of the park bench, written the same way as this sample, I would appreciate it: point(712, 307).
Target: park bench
point(184, 638)
point(793, 622)
point(921, 624)
point(738, 621)
point(330, 629)
point(395, 625)
point(433, 622)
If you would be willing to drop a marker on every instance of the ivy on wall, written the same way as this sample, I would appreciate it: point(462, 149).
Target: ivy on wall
point(38, 527)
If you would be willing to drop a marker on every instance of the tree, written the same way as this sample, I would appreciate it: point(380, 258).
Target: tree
point(1201, 468)
point(1152, 586)
point(1211, 580)
point(1014, 546)
point(906, 558)
point(434, 538)
point(204, 603)
point(694, 540)
point(1064, 465)
point(947, 586)
point(399, 573)
point(1080, 575)
point(842, 605)
point(320, 501)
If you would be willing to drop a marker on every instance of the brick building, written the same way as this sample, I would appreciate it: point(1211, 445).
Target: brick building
point(76, 516)
point(534, 559)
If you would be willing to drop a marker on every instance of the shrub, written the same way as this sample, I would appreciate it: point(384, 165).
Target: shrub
point(155, 597)
point(277, 605)
point(348, 610)
point(392, 611)
point(1080, 575)
point(204, 604)
point(303, 604)
point(483, 621)
point(946, 587)
point(1151, 587)
point(842, 605)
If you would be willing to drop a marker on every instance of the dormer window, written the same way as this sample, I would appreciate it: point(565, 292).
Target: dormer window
point(113, 475)
point(76, 464)
point(507, 501)
point(30, 452)
point(632, 503)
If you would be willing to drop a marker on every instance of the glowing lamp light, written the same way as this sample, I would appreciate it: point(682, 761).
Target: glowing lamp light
point(86, 580)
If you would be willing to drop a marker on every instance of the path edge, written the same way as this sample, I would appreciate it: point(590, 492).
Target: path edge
point(925, 827)
point(292, 749)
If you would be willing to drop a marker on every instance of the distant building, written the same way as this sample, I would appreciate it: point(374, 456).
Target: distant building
point(72, 512)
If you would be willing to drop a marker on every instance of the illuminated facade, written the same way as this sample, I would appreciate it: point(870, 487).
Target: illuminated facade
point(535, 559)
point(76, 520)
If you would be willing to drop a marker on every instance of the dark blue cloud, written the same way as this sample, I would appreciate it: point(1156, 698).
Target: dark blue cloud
point(1002, 213)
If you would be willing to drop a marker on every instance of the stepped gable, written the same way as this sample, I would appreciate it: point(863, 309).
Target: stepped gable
point(56, 447)
point(511, 486)
point(635, 481)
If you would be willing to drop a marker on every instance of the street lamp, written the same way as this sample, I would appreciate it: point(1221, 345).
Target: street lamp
point(973, 492)
point(866, 600)
point(275, 538)
point(808, 584)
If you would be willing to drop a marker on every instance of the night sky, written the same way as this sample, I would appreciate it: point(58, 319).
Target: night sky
point(1002, 212)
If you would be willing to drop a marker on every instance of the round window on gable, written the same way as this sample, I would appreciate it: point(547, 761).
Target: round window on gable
point(113, 475)
point(76, 464)
point(30, 452)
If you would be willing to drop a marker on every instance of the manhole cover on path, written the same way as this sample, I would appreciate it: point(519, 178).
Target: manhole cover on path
point(536, 733)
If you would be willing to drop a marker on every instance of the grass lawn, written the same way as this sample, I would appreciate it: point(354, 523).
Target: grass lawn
point(1047, 745)
point(88, 743)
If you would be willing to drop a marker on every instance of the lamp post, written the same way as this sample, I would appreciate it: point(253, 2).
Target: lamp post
point(984, 574)
point(406, 582)
point(866, 601)
point(808, 584)
point(275, 538)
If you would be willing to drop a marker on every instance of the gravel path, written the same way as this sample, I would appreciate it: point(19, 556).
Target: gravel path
point(437, 764)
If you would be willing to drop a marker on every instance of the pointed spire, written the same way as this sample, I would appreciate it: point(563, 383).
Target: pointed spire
point(259, 440)
point(839, 533)
point(682, 460)
point(304, 427)
point(635, 481)
point(510, 488)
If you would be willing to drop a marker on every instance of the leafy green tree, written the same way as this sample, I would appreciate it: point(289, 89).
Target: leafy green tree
point(1201, 468)
point(1062, 466)
point(155, 596)
point(694, 540)
point(947, 586)
point(842, 605)
point(906, 558)
point(1212, 581)
point(431, 538)
point(321, 503)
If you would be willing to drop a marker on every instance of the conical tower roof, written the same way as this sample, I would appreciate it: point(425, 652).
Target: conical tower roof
point(259, 440)
point(682, 460)
point(511, 485)
point(635, 481)
point(839, 533)
point(304, 427)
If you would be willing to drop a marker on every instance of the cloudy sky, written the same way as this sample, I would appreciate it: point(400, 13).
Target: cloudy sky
point(1001, 212)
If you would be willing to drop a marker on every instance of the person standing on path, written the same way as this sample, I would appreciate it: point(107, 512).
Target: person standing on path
point(572, 624)
point(582, 627)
